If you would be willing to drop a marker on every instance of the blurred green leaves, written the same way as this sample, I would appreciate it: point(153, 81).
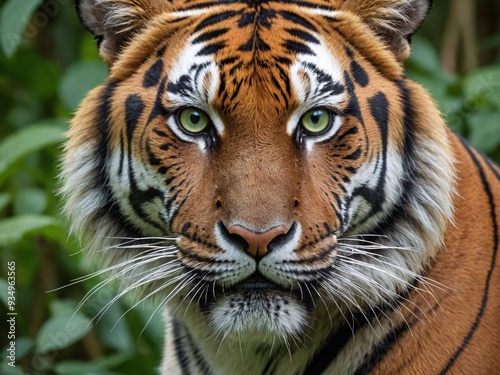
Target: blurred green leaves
point(470, 103)
point(98, 367)
point(61, 331)
point(484, 85)
point(14, 18)
point(26, 141)
point(78, 80)
point(15, 228)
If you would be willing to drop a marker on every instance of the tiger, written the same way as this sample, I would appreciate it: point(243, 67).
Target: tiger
point(266, 173)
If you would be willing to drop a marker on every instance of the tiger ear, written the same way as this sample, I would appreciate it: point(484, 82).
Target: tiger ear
point(114, 22)
point(394, 20)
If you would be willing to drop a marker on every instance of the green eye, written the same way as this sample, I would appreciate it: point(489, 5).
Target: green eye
point(193, 120)
point(315, 121)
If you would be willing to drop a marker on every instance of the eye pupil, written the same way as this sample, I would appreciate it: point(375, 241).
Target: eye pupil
point(195, 117)
point(315, 117)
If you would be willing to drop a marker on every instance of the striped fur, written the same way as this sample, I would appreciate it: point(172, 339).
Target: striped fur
point(388, 263)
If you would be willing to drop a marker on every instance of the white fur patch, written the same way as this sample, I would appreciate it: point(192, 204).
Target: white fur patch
point(204, 75)
point(145, 179)
point(307, 87)
point(258, 313)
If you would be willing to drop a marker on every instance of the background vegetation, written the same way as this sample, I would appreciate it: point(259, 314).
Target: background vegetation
point(47, 64)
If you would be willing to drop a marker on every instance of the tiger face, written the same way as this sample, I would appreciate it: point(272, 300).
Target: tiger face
point(259, 166)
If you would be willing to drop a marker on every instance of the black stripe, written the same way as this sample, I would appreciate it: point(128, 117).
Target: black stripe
point(379, 109)
point(211, 49)
point(122, 154)
point(301, 34)
point(286, 79)
point(378, 65)
point(153, 160)
point(408, 144)
point(134, 106)
point(201, 259)
point(351, 131)
point(183, 86)
point(353, 107)
point(293, 47)
point(200, 361)
point(359, 74)
point(110, 208)
point(382, 349)
point(177, 209)
point(328, 86)
point(484, 300)
point(210, 4)
point(355, 155)
point(246, 20)
point(408, 158)
point(228, 61)
point(340, 338)
point(209, 35)
point(297, 19)
point(161, 51)
point(391, 338)
point(153, 75)
point(158, 108)
point(305, 4)
point(214, 19)
point(179, 348)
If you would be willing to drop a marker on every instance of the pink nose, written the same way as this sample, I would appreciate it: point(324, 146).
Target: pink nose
point(258, 242)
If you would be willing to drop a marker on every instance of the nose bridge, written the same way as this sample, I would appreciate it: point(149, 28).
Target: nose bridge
point(256, 185)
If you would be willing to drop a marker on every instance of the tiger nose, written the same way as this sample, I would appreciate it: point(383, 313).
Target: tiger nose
point(257, 242)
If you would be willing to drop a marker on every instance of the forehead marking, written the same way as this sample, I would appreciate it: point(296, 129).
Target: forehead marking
point(316, 81)
point(193, 81)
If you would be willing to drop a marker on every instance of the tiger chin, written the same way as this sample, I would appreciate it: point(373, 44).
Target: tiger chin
point(266, 174)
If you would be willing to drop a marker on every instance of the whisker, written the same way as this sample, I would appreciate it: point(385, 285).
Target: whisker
point(169, 297)
point(152, 293)
point(137, 284)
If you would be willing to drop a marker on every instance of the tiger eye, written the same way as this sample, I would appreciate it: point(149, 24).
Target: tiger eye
point(315, 121)
point(193, 120)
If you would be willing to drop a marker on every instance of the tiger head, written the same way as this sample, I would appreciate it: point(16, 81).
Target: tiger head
point(259, 166)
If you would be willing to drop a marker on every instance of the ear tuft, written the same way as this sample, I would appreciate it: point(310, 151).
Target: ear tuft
point(394, 20)
point(114, 22)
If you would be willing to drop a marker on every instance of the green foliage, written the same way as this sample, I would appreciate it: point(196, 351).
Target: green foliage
point(25, 142)
point(470, 103)
point(46, 68)
point(13, 21)
point(80, 77)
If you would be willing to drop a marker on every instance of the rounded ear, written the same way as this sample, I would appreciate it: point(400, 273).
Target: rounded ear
point(395, 21)
point(114, 22)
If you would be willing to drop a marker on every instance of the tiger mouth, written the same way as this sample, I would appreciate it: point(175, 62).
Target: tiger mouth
point(256, 286)
point(255, 282)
